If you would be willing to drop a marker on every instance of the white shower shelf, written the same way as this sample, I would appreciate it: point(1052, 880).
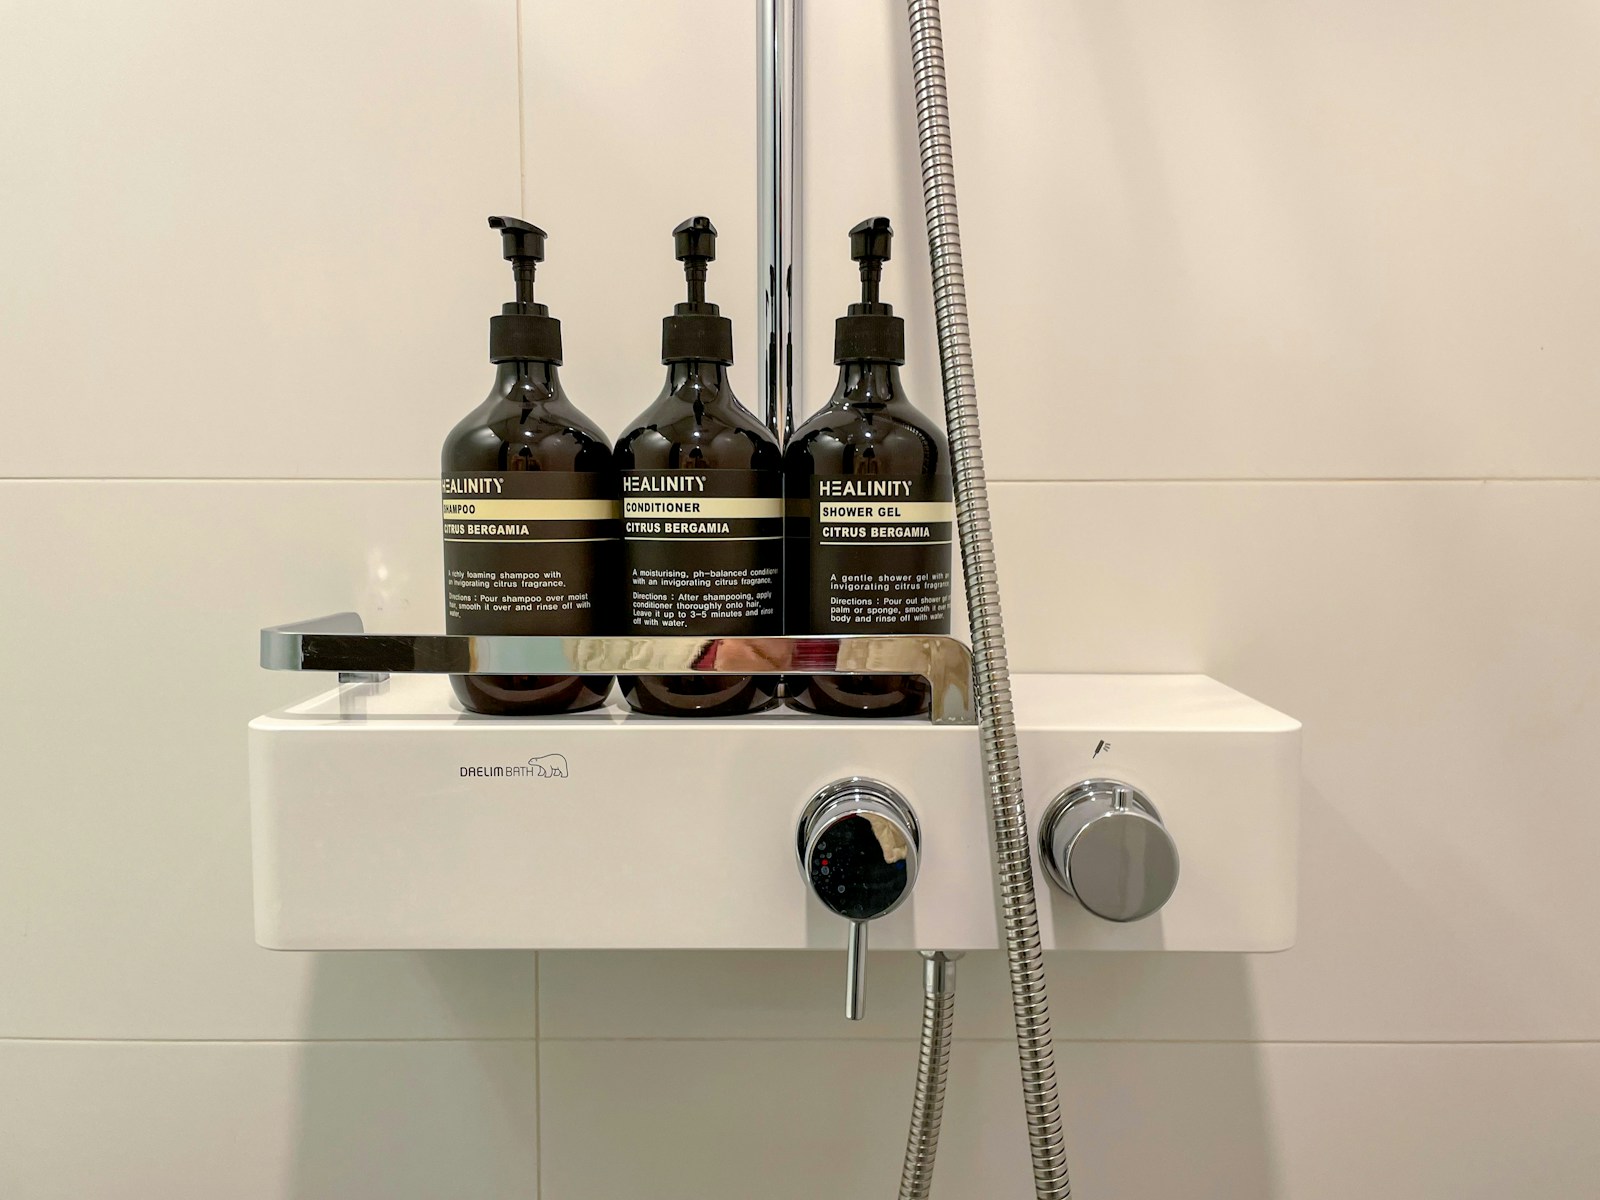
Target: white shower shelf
point(385, 817)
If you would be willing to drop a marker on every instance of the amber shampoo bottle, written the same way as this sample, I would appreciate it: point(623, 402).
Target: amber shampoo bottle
point(531, 507)
point(870, 514)
point(702, 495)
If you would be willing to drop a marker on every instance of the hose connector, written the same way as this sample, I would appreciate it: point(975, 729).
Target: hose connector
point(939, 972)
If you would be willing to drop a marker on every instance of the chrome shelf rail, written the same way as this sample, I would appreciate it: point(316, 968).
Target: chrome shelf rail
point(340, 643)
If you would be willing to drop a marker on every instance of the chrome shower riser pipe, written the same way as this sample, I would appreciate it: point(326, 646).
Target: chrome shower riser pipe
point(778, 211)
point(992, 680)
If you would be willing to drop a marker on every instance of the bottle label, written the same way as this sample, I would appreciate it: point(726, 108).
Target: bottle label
point(879, 555)
point(703, 551)
point(528, 552)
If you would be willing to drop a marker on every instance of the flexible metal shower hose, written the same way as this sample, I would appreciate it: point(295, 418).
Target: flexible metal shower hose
point(933, 1070)
point(997, 725)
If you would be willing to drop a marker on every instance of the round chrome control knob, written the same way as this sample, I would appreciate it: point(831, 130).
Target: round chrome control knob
point(858, 842)
point(1103, 842)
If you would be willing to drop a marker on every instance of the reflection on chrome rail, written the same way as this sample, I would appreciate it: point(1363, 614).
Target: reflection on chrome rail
point(339, 643)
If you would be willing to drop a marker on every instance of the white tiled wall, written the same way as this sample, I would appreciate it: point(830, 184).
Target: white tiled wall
point(1283, 322)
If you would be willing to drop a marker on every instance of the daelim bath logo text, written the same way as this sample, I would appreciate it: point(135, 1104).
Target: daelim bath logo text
point(540, 766)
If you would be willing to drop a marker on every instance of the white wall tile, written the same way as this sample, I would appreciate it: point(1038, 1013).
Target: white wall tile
point(1436, 640)
point(1215, 241)
point(785, 995)
point(637, 116)
point(1306, 244)
point(249, 240)
point(1426, 915)
point(129, 641)
point(719, 1120)
point(1426, 912)
point(330, 1121)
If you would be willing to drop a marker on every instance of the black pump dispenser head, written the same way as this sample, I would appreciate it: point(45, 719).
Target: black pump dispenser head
point(871, 332)
point(524, 331)
point(695, 330)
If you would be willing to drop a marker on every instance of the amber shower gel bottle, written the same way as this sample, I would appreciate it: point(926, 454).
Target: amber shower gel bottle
point(870, 511)
point(531, 511)
point(702, 495)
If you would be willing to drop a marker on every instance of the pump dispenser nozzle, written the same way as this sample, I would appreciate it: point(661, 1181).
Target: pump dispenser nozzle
point(524, 330)
point(869, 246)
point(871, 332)
point(521, 245)
point(695, 330)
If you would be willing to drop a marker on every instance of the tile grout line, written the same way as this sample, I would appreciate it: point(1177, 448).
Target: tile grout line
point(911, 1039)
point(538, 1087)
point(906, 1039)
point(522, 131)
point(300, 1041)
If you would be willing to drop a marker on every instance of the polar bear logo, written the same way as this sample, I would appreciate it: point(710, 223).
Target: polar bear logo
point(549, 766)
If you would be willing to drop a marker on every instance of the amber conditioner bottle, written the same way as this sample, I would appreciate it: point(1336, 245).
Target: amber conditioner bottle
point(531, 510)
point(702, 495)
point(870, 513)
